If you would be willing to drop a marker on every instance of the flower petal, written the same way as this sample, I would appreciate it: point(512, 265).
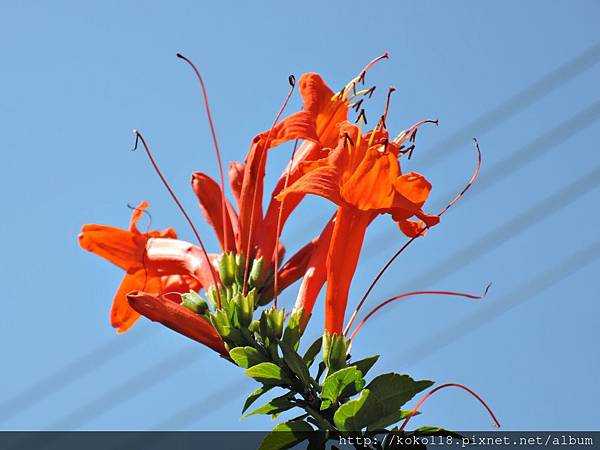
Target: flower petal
point(328, 111)
point(295, 126)
point(344, 251)
point(210, 197)
point(173, 256)
point(121, 247)
point(122, 316)
point(158, 308)
point(315, 274)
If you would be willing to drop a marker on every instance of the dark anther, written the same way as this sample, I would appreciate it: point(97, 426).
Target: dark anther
point(363, 115)
point(413, 135)
point(144, 211)
point(342, 92)
point(292, 80)
point(347, 136)
point(356, 106)
point(361, 78)
point(137, 140)
point(370, 91)
point(354, 88)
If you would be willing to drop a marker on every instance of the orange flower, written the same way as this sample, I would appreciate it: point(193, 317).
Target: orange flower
point(159, 308)
point(362, 176)
point(127, 250)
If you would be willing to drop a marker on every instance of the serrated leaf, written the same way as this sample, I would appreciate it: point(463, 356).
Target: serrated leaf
point(352, 415)
point(267, 373)
point(286, 435)
point(254, 396)
point(295, 362)
point(275, 406)
point(312, 352)
point(343, 383)
point(246, 356)
point(365, 364)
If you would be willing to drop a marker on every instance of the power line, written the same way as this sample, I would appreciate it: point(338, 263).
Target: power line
point(525, 292)
point(126, 390)
point(503, 233)
point(68, 374)
point(514, 104)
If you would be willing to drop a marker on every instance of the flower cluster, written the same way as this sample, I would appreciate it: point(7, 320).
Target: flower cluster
point(220, 299)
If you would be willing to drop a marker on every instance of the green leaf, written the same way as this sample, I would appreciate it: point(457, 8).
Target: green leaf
point(246, 356)
point(390, 419)
point(313, 351)
point(364, 365)
point(275, 406)
point(254, 396)
point(343, 383)
point(267, 373)
point(378, 402)
point(352, 415)
point(295, 362)
point(392, 390)
point(286, 435)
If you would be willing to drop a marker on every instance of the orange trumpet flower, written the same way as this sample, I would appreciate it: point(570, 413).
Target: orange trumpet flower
point(362, 176)
point(127, 250)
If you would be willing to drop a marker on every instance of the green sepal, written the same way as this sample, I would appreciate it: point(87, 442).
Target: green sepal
point(334, 351)
point(246, 357)
point(194, 302)
point(227, 269)
point(255, 275)
point(271, 325)
point(293, 332)
point(286, 435)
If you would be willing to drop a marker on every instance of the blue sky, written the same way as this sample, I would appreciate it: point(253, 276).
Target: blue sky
point(77, 77)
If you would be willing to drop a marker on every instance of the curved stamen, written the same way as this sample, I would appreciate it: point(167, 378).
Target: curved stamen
point(411, 240)
point(138, 136)
point(217, 151)
point(403, 135)
point(143, 211)
point(292, 81)
point(387, 104)
point(433, 391)
point(278, 231)
point(410, 294)
point(470, 183)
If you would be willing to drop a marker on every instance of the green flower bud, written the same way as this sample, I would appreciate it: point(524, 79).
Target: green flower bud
point(335, 347)
point(255, 275)
point(227, 268)
point(194, 303)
